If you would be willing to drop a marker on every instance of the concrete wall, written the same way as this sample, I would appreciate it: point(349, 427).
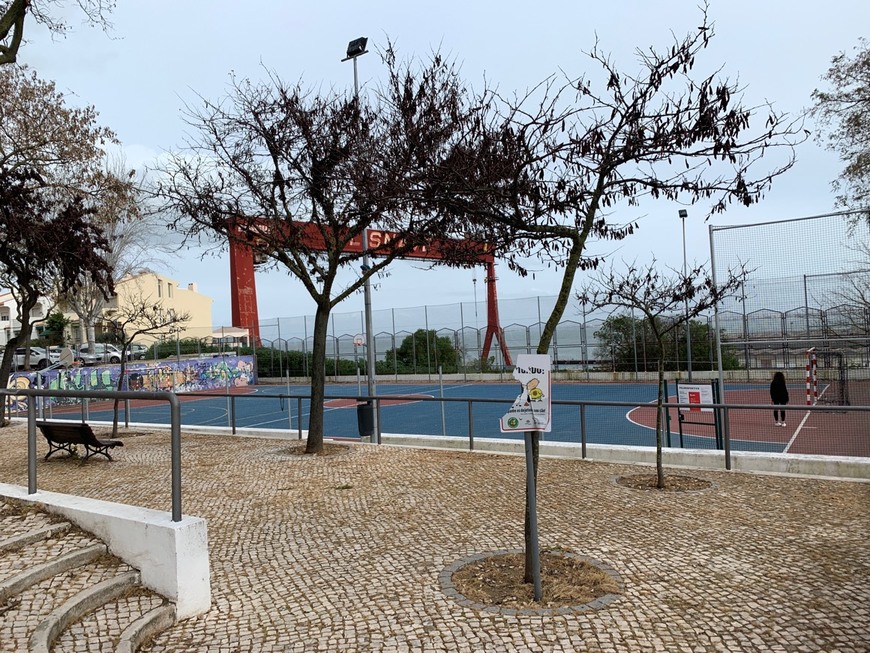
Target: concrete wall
point(171, 556)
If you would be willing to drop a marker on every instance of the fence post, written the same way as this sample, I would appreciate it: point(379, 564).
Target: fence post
point(727, 439)
point(31, 445)
point(470, 425)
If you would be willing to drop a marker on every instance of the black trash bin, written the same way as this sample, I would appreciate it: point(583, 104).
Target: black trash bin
point(365, 418)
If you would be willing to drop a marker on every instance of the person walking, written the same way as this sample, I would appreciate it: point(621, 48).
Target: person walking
point(778, 397)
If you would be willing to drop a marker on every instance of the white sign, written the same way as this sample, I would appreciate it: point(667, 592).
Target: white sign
point(531, 409)
point(358, 341)
point(689, 393)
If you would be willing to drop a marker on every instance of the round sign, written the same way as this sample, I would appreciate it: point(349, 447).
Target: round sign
point(358, 341)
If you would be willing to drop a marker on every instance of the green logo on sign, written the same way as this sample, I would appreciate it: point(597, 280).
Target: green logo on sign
point(513, 422)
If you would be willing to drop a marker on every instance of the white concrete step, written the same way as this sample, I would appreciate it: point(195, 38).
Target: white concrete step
point(61, 591)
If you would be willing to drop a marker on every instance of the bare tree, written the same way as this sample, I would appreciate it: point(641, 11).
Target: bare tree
point(667, 301)
point(596, 146)
point(137, 316)
point(14, 15)
point(300, 177)
point(135, 242)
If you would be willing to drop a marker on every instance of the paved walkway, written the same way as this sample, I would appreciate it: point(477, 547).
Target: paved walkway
point(344, 552)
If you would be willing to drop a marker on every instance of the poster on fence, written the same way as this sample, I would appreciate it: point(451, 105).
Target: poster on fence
point(695, 393)
point(531, 409)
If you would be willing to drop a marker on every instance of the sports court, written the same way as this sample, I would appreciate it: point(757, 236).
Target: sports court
point(610, 413)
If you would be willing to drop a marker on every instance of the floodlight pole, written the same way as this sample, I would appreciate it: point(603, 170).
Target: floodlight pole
point(683, 215)
point(353, 53)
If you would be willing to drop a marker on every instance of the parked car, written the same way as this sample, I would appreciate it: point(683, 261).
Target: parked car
point(38, 358)
point(137, 351)
point(54, 354)
point(102, 353)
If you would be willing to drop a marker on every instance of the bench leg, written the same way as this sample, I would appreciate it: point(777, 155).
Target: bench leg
point(92, 451)
point(54, 448)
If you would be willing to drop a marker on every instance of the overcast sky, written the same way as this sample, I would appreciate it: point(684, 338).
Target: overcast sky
point(160, 54)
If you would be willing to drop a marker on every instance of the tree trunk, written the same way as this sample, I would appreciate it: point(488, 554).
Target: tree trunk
point(543, 348)
point(318, 379)
point(91, 335)
point(660, 425)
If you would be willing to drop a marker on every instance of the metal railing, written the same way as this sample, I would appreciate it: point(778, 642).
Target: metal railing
point(175, 428)
point(722, 422)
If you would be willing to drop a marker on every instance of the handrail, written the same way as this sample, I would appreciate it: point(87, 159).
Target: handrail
point(175, 425)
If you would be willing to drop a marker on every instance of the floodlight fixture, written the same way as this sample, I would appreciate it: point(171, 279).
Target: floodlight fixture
point(356, 48)
point(683, 213)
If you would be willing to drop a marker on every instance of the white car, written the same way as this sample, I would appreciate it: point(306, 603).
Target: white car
point(102, 353)
point(38, 358)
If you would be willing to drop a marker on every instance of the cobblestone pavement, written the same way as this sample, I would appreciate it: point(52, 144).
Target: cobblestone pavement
point(344, 552)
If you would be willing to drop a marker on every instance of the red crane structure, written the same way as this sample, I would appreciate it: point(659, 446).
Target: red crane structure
point(243, 284)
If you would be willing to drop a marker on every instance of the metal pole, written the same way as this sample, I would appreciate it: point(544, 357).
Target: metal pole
point(367, 286)
point(175, 417)
point(683, 215)
point(31, 445)
point(806, 307)
point(441, 387)
point(719, 349)
point(533, 516)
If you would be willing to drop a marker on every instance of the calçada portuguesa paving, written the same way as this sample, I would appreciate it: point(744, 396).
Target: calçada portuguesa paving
point(344, 552)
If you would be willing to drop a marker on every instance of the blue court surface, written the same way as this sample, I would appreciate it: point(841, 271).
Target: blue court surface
point(479, 405)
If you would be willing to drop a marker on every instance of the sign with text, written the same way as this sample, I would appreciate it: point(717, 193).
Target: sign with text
point(531, 409)
point(688, 393)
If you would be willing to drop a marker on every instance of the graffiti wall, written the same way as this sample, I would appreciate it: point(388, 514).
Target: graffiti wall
point(188, 375)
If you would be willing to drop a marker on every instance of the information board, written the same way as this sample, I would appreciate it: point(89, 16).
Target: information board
point(531, 409)
point(697, 393)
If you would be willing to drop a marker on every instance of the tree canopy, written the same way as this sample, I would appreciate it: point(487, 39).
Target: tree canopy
point(44, 243)
point(301, 176)
point(627, 343)
point(64, 145)
point(424, 352)
point(843, 112)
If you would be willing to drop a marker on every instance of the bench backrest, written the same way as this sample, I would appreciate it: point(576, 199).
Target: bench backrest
point(73, 433)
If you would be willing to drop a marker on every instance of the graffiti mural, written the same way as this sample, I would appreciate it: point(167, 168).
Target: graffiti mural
point(186, 375)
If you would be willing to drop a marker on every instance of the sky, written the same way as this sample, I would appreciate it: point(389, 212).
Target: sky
point(162, 54)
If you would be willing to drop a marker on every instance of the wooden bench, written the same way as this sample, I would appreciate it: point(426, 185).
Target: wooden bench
point(63, 436)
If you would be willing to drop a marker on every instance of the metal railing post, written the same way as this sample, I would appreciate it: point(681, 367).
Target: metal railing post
point(175, 420)
point(727, 435)
point(299, 414)
point(471, 425)
point(232, 414)
point(583, 431)
point(31, 447)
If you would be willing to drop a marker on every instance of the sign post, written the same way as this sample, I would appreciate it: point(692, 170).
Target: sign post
point(530, 413)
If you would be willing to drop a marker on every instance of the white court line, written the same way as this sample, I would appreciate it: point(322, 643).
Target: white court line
point(796, 432)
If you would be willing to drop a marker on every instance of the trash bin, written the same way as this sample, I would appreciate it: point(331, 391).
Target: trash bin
point(365, 418)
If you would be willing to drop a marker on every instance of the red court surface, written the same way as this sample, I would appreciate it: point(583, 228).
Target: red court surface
point(821, 431)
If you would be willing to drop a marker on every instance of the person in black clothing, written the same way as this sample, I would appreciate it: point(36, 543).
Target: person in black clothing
point(778, 397)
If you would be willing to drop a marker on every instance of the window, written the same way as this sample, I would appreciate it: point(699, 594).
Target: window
point(169, 290)
point(159, 288)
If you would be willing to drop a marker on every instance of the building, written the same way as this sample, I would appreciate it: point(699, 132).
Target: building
point(162, 290)
point(9, 324)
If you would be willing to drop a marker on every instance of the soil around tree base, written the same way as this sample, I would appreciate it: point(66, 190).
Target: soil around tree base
point(568, 581)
